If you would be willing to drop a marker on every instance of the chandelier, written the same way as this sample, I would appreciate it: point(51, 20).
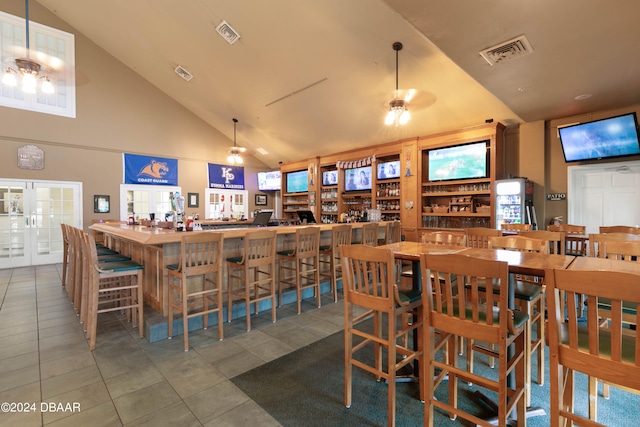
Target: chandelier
point(27, 68)
point(235, 152)
point(398, 112)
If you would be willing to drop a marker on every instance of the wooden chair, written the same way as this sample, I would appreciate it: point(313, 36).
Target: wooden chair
point(451, 313)
point(596, 241)
point(111, 286)
point(254, 273)
point(330, 254)
point(369, 285)
point(299, 268)
point(555, 239)
point(200, 258)
point(392, 234)
point(576, 244)
point(529, 298)
point(612, 354)
point(444, 238)
point(619, 229)
point(370, 234)
point(515, 227)
point(478, 237)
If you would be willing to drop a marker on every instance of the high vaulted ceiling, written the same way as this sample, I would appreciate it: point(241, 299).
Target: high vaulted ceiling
point(314, 77)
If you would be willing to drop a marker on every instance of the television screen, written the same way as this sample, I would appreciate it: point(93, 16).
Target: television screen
point(330, 177)
point(357, 179)
point(297, 182)
point(269, 181)
point(389, 170)
point(459, 162)
point(601, 139)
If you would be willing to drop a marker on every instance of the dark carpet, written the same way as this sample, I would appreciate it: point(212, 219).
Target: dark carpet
point(306, 388)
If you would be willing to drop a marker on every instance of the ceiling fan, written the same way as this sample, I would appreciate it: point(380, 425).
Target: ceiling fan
point(31, 65)
point(235, 152)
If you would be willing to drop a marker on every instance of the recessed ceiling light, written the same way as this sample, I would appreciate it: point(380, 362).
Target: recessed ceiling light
point(582, 97)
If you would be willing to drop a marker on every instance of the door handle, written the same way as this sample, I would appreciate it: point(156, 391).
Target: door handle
point(26, 222)
point(33, 220)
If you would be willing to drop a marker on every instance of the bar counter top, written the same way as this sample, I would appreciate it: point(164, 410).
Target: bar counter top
point(158, 236)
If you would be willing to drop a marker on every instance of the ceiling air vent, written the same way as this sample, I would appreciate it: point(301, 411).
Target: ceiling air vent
point(183, 73)
point(227, 33)
point(505, 51)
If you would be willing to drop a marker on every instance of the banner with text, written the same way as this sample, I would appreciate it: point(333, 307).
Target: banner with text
point(149, 170)
point(226, 177)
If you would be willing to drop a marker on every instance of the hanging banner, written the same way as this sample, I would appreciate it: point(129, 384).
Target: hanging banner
point(149, 170)
point(226, 177)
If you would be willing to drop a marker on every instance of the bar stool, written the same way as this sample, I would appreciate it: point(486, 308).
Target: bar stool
point(254, 272)
point(330, 254)
point(111, 286)
point(392, 234)
point(66, 252)
point(303, 264)
point(200, 256)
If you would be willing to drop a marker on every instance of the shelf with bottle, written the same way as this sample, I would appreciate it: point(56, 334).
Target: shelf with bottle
point(466, 187)
point(329, 193)
point(390, 188)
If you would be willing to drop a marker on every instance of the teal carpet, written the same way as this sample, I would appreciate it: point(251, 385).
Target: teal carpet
point(306, 388)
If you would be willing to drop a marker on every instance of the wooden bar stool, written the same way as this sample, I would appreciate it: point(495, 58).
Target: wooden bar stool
point(111, 286)
point(330, 254)
point(254, 274)
point(200, 257)
point(370, 289)
point(299, 268)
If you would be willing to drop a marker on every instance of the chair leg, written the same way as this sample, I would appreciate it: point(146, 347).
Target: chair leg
point(170, 303)
point(185, 312)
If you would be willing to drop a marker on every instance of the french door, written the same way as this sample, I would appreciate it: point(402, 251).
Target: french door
point(30, 218)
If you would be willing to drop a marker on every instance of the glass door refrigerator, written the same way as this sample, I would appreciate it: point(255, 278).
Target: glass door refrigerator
point(514, 202)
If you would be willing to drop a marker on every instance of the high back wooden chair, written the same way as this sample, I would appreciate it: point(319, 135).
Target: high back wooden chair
point(611, 354)
point(330, 255)
point(574, 238)
point(478, 237)
point(529, 298)
point(554, 239)
point(195, 282)
point(252, 275)
point(299, 268)
point(370, 234)
point(393, 233)
point(111, 286)
point(596, 242)
point(369, 285)
point(444, 238)
point(619, 229)
point(450, 312)
point(515, 227)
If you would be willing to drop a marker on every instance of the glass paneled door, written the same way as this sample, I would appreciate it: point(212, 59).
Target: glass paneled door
point(30, 219)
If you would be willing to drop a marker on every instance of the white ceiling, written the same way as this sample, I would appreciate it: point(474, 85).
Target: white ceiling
point(580, 47)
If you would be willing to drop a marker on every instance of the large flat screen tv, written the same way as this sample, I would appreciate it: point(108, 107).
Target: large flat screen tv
point(601, 139)
point(357, 179)
point(269, 181)
point(297, 182)
point(464, 161)
point(389, 170)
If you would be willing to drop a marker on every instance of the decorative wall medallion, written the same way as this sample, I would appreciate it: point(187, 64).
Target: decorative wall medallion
point(30, 157)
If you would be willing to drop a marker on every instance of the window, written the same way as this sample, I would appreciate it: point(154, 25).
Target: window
point(57, 46)
point(140, 200)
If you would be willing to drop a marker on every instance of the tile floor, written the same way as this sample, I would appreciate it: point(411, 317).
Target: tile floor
point(45, 362)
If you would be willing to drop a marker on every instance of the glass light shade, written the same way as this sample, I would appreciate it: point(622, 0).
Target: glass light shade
point(391, 117)
point(9, 78)
point(29, 83)
point(404, 117)
point(47, 87)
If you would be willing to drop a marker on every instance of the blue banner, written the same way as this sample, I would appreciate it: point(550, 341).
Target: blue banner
point(226, 177)
point(149, 170)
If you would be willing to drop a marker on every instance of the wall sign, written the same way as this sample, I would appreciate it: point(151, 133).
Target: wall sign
point(226, 177)
point(556, 197)
point(149, 170)
point(30, 157)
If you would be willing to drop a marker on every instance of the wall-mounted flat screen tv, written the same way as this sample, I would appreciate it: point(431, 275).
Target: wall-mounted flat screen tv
point(357, 179)
point(330, 177)
point(297, 182)
point(269, 181)
point(601, 139)
point(459, 162)
point(389, 170)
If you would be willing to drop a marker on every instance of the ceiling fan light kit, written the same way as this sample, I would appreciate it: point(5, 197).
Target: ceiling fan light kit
point(398, 110)
point(27, 68)
point(235, 152)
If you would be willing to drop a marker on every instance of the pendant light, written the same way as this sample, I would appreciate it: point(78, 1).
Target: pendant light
point(235, 152)
point(398, 113)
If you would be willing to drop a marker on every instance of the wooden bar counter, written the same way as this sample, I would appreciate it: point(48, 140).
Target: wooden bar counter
point(158, 247)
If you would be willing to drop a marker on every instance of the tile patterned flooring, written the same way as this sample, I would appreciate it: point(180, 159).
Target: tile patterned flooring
point(45, 360)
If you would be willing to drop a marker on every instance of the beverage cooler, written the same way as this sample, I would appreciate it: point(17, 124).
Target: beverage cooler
point(514, 202)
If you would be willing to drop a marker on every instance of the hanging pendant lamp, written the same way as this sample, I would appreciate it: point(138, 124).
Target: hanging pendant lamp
point(235, 152)
point(398, 112)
